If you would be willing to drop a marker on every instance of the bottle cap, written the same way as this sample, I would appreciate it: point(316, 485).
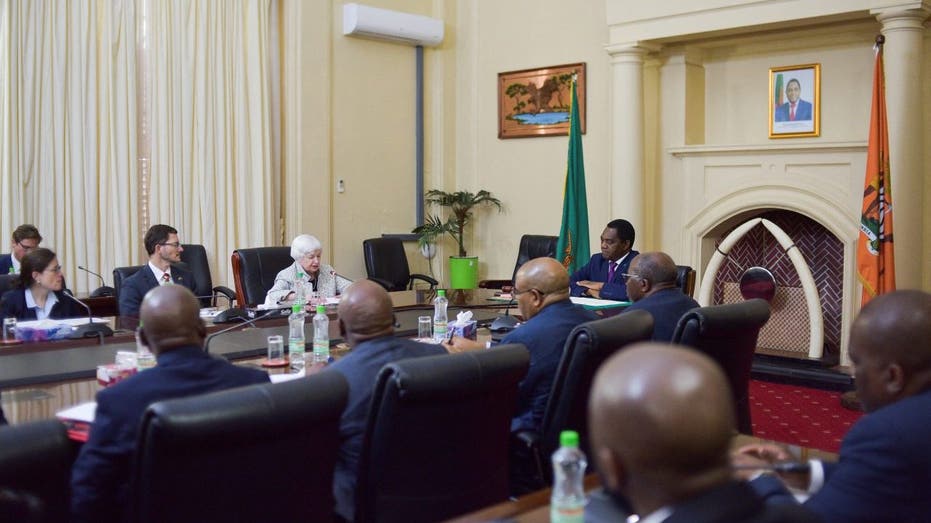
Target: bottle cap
point(296, 308)
point(569, 438)
point(321, 309)
point(441, 292)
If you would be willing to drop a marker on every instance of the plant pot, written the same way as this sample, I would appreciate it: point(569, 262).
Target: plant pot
point(463, 272)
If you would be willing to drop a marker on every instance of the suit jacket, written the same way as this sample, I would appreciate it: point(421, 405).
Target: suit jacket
point(329, 283)
point(134, 288)
point(597, 270)
point(360, 368)
point(884, 470)
point(802, 112)
point(6, 263)
point(735, 502)
point(100, 475)
point(13, 304)
point(666, 306)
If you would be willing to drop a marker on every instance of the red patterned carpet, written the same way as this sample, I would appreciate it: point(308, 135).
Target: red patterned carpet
point(799, 416)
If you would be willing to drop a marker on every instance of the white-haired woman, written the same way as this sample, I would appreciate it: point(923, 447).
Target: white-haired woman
point(316, 275)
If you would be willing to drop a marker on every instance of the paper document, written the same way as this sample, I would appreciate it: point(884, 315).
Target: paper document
point(82, 412)
point(595, 303)
point(44, 324)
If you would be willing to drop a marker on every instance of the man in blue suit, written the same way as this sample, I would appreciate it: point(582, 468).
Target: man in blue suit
point(794, 109)
point(26, 238)
point(602, 276)
point(651, 285)
point(884, 471)
point(164, 249)
point(175, 333)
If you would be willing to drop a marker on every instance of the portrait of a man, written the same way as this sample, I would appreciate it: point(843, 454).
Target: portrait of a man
point(795, 108)
point(795, 101)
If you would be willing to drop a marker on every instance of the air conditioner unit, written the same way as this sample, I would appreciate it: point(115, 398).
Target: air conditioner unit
point(395, 26)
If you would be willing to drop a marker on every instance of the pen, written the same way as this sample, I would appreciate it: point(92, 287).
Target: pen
point(787, 466)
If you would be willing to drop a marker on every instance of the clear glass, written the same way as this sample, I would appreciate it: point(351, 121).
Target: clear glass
point(424, 327)
point(276, 347)
point(9, 329)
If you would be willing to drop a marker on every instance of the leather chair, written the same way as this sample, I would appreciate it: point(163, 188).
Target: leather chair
point(685, 279)
point(254, 272)
point(35, 468)
point(386, 264)
point(120, 274)
point(531, 246)
point(257, 453)
point(7, 281)
point(437, 436)
point(728, 334)
point(194, 259)
point(587, 347)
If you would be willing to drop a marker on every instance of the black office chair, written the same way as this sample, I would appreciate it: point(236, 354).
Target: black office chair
point(7, 281)
point(386, 264)
point(587, 347)
point(258, 453)
point(194, 259)
point(728, 334)
point(685, 279)
point(120, 274)
point(531, 246)
point(254, 272)
point(437, 436)
point(35, 470)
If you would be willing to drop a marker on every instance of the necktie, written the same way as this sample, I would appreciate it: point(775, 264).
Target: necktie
point(611, 269)
point(166, 279)
point(791, 112)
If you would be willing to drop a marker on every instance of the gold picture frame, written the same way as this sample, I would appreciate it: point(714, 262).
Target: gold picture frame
point(803, 118)
point(535, 102)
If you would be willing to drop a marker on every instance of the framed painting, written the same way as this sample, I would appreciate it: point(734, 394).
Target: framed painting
point(535, 102)
point(795, 101)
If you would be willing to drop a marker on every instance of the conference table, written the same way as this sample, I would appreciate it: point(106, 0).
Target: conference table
point(40, 379)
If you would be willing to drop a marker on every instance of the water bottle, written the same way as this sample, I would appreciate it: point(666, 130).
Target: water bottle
point(321, 335)
point(296, 337)
point(439, 316)
point(567, 503)
point(299, 288)
point(144, 357)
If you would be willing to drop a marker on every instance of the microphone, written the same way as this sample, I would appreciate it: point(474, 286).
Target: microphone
point(101, 291)
point(234, 327)
point(505, 322)
point(90, 329)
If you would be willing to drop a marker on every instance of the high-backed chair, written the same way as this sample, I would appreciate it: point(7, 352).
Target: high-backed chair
point(258, 453)
point(685, 279)
point(437, 436)
point(120, 274)
point(587, 347)
point(6, 282)
point(728, 334)
point(194, 259)
point(35, 464)
point(531, 246)
point(254, 272)
point(386, 264)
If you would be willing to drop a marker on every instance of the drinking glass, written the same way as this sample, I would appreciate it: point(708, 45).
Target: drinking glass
point(276, 347)
point(425, 327)
point(9, 329)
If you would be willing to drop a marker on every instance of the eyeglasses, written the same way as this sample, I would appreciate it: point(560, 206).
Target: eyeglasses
point(54, 269)
point(627, 276)
point(172, 244)
point(515, 293)
point(28, 248)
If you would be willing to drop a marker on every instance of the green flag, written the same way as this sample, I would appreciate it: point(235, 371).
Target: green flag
point(572, 249)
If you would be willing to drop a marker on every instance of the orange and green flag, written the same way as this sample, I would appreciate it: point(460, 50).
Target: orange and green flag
point(572, 248)
point(875, 258)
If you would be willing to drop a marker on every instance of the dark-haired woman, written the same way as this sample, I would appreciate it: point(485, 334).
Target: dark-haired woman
point(38, 293)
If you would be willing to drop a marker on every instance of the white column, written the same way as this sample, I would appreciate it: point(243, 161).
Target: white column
point(903, 61)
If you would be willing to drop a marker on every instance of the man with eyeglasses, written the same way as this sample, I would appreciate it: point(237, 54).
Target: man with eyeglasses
point(651, 285)
point(164, 249)
point(26, 238)
point(601, 276)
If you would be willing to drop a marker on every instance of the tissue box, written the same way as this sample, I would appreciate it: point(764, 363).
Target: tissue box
point(42, 331)
point(466, 329)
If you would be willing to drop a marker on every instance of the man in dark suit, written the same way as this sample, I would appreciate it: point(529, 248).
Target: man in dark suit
point(175, 333)
point(601, 277)
point(26, 237)
point(661, 420)
point(651, 285)
point(794, 109)
point(366, 322)
point(884, 471)
point(164, 249)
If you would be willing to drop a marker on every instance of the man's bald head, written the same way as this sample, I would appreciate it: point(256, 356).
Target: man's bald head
point(661, 420)
point(365, 312)
point(538, 283)
point(170, 316)
point(650, 272)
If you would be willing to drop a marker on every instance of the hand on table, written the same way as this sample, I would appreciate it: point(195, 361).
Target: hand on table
point(757, 454)
point(593, 287)
point(460, 344)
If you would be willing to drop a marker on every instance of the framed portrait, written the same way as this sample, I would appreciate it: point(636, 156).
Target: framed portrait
point(795, 101)
point(536, 102)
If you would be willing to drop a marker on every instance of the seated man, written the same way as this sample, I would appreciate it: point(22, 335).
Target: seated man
point(661, 420)
point(26, 237)
point(366, 322)
point(884, 471)
point(175, 333)
point(651, 285)
point(602, 276)
point(164, 248)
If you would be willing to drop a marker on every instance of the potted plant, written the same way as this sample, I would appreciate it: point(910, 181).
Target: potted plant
point(463, 269)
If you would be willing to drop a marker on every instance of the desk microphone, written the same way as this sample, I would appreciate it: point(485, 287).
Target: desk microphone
point(90, 329)
point(505, 322)
point(103, 290)
point(234, 327)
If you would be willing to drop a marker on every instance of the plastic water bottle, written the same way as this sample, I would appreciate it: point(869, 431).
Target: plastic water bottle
point(144, 357)
point(321, 335)
point(439, 316)
point(296, 337)
point(567, 503)
point(299, 288)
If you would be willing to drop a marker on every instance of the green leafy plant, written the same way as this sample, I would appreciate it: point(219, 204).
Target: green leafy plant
point(460, 205)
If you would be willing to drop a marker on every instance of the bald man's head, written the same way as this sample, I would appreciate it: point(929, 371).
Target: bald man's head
point(538, 283)
point(170, 316)
point(650, 272)
point(365, 312)
point(661, 419)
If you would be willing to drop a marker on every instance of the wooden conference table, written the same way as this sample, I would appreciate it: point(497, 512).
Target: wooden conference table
point(39, 379)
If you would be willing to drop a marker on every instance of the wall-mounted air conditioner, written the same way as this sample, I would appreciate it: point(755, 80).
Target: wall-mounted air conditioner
point(383, 24)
